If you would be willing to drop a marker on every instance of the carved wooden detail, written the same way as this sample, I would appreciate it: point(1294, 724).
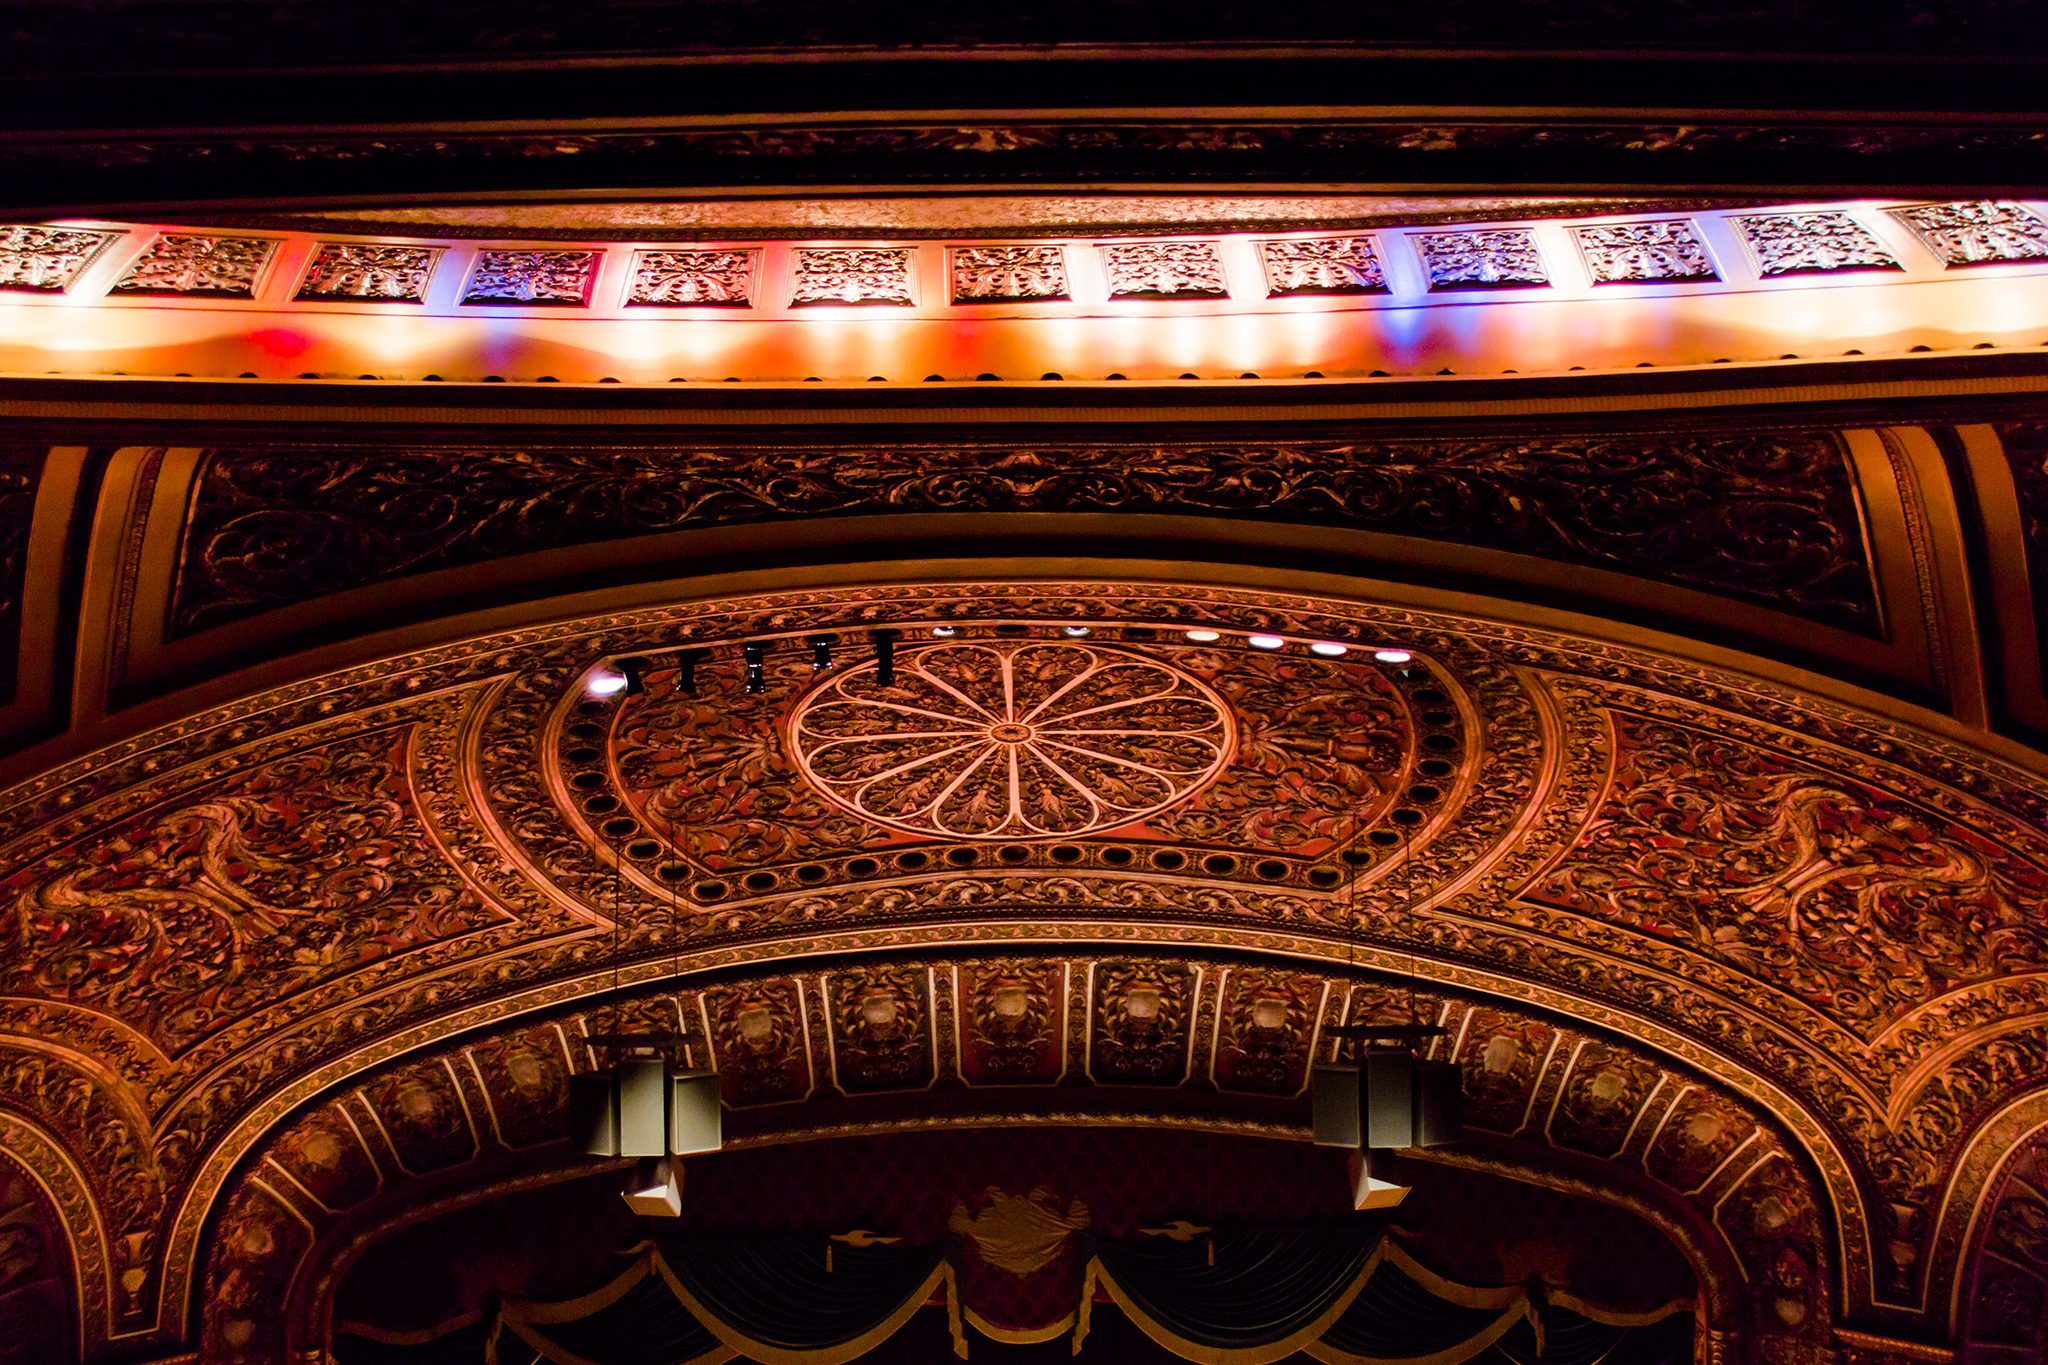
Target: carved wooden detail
point(35, 1277)
point(1642, 253)
point(1984, 232)
point(558, 278)
point(860, 275)
point(232, 918)
point(1501, 258)
point(47, 260)
point(1008, 274)
point(372, 273)
point(1164, 270)
point(21, 470)
point(1012, 741)
point(1334, 265)
point(723, 279)
point(1766, 519)
point(2005, 1316)
point(1812, 243)
point(216, 267)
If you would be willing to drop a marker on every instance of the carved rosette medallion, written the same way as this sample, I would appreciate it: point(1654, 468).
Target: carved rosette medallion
point(1334, 265)
point(1643, 253)
point(384, 274)
point(1008, 274)
point(678, 279)
point(47, 260)
point(862, 275)
point(1986, 232)
point(551, 277)
point(1812, 244)
point(1002, 741)
point(1503, 258)
point(1164, 270)
point(216, 267)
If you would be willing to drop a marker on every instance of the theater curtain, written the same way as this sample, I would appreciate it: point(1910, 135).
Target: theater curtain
point(1249, 1296)
point(1242, 1297)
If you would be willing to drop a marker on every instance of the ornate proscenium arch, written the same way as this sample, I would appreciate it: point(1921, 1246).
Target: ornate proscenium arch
point(874, 1044)
point(1810, 913)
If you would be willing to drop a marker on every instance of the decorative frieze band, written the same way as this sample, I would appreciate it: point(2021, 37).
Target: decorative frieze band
point(51, 259)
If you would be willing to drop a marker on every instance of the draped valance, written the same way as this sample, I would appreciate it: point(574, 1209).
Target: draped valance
point(1231, 1296)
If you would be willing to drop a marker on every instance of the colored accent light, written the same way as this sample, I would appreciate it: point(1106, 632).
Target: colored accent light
point(1203, 637)
point(1330, 649)
point(1392, 656)
point(1265, 641)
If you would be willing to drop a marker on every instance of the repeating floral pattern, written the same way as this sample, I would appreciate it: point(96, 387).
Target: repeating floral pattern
point(1628, 253)
point(1336, 265)
point(721, 278)
point(1503, 258)
point(550, 277)
point(1164, 270)
point(385, 274)
point(1000, 274)
point(867, 275)
point(218, 267)
point(1812, 243)
point(1981, 233)
point(48, 260)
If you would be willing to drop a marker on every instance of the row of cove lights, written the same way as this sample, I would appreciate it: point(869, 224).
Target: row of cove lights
point(610, 682)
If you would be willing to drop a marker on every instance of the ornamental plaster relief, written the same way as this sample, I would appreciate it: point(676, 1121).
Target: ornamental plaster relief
point(1531, 753)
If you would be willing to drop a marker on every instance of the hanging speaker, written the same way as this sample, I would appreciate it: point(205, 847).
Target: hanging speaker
point(594, 1115)
point(696, 1117)
point(643, 1106)
point(1389, 1097)
point(1333, 1095)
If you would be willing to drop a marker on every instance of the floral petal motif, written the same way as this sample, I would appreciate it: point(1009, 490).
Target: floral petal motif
point(1009, 740)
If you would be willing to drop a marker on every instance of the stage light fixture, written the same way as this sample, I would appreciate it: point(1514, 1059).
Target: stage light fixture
point(1329, 649)
point(1392, 656)
point(635, 671)
point(945, 632)
point(606, 684)
point(885, 656)
point(686, 669)
point(821, 651)
point(1076, 631)
point(1203, 637)
point(1265, 641)
point(753, 652)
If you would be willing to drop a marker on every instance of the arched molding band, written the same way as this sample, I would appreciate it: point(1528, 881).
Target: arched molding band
point(47, 1163)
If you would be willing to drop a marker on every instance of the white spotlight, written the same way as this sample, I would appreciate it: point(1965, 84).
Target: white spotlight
point(1265, 641)
point(606, 684)
point(1392, 656)
point(1076, 631)
point(1203, 637)
point(945, 632)
point(1330, 649)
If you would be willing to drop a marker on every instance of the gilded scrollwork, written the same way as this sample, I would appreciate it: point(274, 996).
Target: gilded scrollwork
point(206, 909)
point(373, 273)
point(1008, 274)
point(216, 267)
point(1767, 519)
point(48, 260)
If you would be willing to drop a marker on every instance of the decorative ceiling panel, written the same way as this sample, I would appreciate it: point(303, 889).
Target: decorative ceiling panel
point(355, 869)
point(1773, 520)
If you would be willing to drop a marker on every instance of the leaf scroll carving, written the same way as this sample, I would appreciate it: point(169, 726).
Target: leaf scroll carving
point(1766, 519)
point(201, 910)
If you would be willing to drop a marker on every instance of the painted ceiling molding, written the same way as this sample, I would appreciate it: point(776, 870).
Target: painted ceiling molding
point(1559, 799)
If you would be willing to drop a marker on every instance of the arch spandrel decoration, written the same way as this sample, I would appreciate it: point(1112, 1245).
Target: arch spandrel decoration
point(465, 752)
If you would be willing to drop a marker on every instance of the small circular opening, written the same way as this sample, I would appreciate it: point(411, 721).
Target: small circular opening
point(1066, 853)
point(708, 891)
point(1423, 793)
point(1116, 856)
point(810, 872)
point(1429, 696)
point(582, 753)
point(1441, 744)
point(1406, 816)
point(642, 849)
point(1434, 767)
point(1385, 838)
point(1271, 869)
point(963, 857)
point(913, 860)
point(1014, 854)
point(1219, 864)
point(863, 867)
point(672, 871)
point(1324, 876)
point(760, 881)
point(621, 826)
point(583, 729)
point(1169, 860)
point(584, 781)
